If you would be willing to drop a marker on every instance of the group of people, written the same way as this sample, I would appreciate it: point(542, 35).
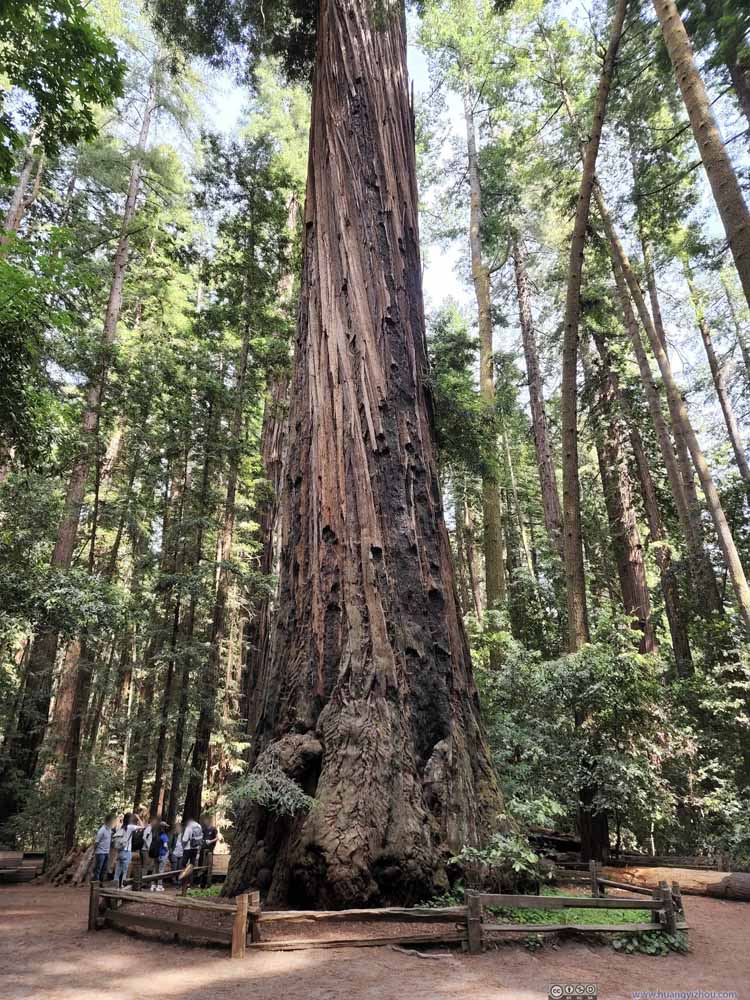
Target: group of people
point(154, 846)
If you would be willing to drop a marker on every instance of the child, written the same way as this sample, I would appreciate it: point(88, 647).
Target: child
point(177, 846)
point(163, 840)
point(123, 842)
point(102, 844)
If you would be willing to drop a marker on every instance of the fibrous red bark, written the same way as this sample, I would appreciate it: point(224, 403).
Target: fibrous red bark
point(366, 695)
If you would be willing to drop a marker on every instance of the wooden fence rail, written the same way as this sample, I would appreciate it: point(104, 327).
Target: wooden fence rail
point(108, 907)
point(665, 906)
point(114, 913)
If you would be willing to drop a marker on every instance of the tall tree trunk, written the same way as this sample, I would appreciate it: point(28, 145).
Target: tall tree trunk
point(35, 711)
point(472, 559)
point(369, 682)
point(578, 626)
point(739, 333)
point(706, 592)
point(668, 579)
point(544, 459)
point(681, 418)
point(618, 500)
point(188, 631)
point(492, 511)
point(737, 67)
point(719, 170)
point(171, 623)
point(718, 378)
point(523, 535)
point(26, 191)
point(273, 440)
point(682, 453)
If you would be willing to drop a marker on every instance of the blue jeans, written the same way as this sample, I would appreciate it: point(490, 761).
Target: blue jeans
point(100, 866)
point(121, 868)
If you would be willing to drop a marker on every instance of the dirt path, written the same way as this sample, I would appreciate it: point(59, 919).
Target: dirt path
point(46, 954)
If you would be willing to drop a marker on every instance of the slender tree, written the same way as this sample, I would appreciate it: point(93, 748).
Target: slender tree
point(726, 189)
point(578, 628)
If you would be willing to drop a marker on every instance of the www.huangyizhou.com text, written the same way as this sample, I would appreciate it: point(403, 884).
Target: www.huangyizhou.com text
point(685, 995)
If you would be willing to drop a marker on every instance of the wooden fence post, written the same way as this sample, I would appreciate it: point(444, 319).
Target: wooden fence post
point(94, 906)
point(254, 915)
point(239, 927)
point(677, 896)
point(474, 922)
point(593, 868)
point(670, 922)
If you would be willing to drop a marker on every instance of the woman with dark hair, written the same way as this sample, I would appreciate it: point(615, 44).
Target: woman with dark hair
point(123, 840)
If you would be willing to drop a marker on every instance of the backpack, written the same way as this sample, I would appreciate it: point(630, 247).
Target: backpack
point(155, 846)
point(136, 841)
point(196, 837)
point(120, 839)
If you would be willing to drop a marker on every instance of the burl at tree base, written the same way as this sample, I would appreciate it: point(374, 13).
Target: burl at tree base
point(365, 694)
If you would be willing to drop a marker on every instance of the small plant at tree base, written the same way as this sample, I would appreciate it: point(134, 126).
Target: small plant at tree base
point(272, 789)
point(658, 943)
point(507, 862)
point(209, 893)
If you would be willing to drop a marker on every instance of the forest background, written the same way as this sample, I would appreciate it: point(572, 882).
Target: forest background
point(148, 284)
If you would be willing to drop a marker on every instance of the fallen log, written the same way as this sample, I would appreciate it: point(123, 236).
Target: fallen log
point(720, 885)
point(81, 870)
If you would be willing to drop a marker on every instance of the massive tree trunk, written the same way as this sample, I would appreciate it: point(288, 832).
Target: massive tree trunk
point(35, 710)
point(544, 459)
point(618, 500)
point(719, 170)
point(368, 684)
point(718, 378)
point(578, 626)
point(492, 508)
point(682, 419)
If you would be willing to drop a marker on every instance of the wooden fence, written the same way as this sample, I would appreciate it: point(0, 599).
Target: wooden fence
point(17, 866)
point(467, 924)
point(665, 905)
point(109, 908)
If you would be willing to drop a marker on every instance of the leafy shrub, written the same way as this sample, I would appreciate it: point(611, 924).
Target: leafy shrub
point(507, 863)
point(272, 789)
point(659, 943)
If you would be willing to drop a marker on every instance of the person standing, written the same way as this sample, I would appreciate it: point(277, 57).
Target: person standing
point(149, 861)
point(123, 840)
point(177, 847)
point(161, 839)
point(192, 840)
point(102, 845)
point(210, 839)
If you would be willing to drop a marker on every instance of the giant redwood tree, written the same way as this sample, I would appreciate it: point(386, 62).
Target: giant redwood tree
point(366, 696)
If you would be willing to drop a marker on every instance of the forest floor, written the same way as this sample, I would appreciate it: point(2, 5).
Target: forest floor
point(47, 954)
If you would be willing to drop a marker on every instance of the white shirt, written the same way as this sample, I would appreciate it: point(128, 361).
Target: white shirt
point(187, 832)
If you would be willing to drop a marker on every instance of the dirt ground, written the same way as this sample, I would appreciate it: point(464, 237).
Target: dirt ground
point(47, 954)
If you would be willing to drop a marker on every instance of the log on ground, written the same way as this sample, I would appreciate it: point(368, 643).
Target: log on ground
point(721, 885)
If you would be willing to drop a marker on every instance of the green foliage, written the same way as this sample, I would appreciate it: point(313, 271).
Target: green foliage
point(271, 789)
point(63, 67)
point(505, 863)
point(579, 916)
point(211, 892)
point(657, 943)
